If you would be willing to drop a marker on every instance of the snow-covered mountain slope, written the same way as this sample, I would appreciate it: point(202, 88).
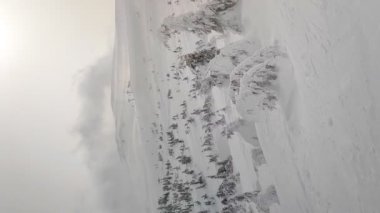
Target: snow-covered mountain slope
point(248, 105)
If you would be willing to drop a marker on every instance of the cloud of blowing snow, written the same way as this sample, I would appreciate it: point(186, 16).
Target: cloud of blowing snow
point(96, 130)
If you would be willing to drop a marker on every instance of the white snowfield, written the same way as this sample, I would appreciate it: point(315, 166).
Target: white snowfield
point(261, 106)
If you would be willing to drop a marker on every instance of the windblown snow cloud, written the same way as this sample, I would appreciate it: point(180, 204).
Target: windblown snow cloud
point(95, 128)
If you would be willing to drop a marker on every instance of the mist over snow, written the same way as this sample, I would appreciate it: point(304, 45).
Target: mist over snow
point(96, 128)
point(236, 106)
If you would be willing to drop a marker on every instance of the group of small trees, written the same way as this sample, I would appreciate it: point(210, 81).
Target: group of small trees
point(182, 178)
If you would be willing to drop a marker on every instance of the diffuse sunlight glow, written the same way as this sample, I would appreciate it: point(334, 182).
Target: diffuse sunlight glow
point(6, 40)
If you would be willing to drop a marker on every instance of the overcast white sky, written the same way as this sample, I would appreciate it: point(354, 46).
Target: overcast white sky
point(43, 45)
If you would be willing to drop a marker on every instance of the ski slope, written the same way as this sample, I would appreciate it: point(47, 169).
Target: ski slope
point(248, 105)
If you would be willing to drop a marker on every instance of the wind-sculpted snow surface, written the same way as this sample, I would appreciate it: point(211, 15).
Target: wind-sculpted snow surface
point(208, 117)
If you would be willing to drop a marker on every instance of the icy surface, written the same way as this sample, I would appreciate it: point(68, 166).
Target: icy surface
point(249, 106)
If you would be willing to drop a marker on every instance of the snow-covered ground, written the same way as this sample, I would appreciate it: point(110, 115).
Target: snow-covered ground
point(249, 106)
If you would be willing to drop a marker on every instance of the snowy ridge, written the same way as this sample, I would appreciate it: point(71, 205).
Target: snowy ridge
point(210, 119)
